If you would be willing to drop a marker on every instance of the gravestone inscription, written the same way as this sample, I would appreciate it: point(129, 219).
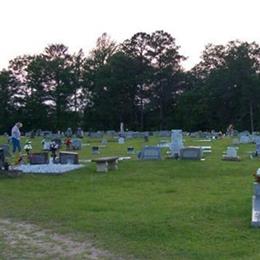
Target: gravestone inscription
point(69, 158)
point(39, 158)
point(150, 153)
point(191, 153)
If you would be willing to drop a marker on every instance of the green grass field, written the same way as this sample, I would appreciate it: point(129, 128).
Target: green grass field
point(167, 209)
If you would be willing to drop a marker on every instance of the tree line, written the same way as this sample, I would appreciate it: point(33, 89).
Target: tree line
point(140, 82)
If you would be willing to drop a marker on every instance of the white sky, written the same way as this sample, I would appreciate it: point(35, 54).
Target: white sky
point(28, 26)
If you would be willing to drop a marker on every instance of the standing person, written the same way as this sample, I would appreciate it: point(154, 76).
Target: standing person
point(16, 134)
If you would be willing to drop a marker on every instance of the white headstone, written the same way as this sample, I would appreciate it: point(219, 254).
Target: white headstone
point(46, 146)
point(176, 142)
point(257, 139)
point(244, 139)
point(231, 152)
point(121, 127)
point(121, 140)
point(256, 203)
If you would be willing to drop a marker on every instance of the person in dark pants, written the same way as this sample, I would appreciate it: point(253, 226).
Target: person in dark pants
point(16, 135)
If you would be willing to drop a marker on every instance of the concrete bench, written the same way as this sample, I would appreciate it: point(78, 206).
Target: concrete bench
point(104, 164)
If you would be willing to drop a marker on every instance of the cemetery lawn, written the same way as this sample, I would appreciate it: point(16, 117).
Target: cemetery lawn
point(167, 209)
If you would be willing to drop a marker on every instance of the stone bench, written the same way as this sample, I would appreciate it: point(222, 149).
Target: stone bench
point(104, 164)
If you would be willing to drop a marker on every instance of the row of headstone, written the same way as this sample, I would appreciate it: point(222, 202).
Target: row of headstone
point(95, 135)
point(205, 134)
point(154, 153)
point(79, 133)
point(75, 144)
point(64, 158)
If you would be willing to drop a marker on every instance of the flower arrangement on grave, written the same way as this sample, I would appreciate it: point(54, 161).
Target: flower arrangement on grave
point(68, 143)
point(257, 176)
point(53, 148)
point(28, 147)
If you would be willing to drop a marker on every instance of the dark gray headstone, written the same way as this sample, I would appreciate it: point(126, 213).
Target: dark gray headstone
point(191, 153)
point(2, 158)
point(80, 133)
point(69, 158)
point(68, 132)
point(165, 133)
point(46, 133)
point(130, 150)
point(6, 149)
point(39, 158)
point(95, 150)
point(58, 141)
point(150, 153)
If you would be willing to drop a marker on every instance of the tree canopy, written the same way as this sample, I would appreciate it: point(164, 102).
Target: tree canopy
point(140, 82)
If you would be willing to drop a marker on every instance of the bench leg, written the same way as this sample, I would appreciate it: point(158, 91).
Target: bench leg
point(112, 165)
point(102, 167)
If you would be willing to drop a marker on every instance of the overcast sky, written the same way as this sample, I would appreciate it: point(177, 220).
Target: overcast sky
point(28, 26)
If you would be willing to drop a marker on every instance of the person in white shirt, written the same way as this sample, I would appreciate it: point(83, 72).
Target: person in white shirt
point(16, 134)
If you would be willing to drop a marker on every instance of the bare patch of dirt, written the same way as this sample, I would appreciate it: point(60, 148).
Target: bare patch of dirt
point(20, 240)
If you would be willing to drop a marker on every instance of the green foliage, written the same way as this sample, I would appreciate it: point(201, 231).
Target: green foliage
point(225, 87)
point(140, 82)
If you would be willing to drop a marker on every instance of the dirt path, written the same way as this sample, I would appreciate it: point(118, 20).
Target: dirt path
point(27, 241)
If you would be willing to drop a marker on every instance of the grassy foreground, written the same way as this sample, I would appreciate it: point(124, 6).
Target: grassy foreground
point(146, 209)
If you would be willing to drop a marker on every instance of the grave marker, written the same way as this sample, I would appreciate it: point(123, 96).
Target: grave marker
point(69, 158)
point(150, 153)
point(121, 140)
point(39, 158)
point(2, 158)
point(76, 144)
point(231, 154)
point(191, 153)
point(130, 150)
point(95, 150)
point(256, 202)
point(176, 142)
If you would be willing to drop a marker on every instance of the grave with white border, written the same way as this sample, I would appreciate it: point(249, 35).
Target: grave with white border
point(231, 154)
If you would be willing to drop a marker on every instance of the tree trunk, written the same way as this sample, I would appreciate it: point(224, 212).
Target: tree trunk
point(251, 116)
point(142, 109)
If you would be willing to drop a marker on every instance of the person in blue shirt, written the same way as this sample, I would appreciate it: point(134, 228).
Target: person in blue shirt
point(16, 135)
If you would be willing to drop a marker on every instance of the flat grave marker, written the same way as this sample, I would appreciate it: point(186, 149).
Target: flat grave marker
point(191, 153)
point(69, 158)
point(150, 153)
